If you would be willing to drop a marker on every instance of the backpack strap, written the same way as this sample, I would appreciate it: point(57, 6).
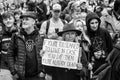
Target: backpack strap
point(63, 21)
point(47, 26)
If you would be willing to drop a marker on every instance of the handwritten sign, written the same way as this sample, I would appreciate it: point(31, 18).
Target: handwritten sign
point(61, 54)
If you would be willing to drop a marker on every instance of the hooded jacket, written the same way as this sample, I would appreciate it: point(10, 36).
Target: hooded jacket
point(100, 40)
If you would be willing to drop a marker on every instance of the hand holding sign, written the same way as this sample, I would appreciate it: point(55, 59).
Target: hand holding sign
point(42, 52)
point(79, 66)
point(53, 36)
point(61, 54)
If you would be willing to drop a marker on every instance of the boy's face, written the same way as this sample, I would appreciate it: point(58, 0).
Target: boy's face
point(9, 22)
point(27, 22)
point(70, 36)
point(94, 24)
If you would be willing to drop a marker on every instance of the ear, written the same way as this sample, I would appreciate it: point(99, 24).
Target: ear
point(34, 21)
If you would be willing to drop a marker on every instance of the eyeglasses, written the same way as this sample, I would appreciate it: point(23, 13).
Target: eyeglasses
point(57, 11)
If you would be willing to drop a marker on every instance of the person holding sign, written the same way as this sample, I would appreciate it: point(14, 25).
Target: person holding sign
point(69, 34)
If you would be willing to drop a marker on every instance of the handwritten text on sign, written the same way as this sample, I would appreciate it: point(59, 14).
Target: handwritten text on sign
point(60, 54)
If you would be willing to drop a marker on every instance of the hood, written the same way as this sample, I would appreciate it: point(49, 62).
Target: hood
point(89, 17)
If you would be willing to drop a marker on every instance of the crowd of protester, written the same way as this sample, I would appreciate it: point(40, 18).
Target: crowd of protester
point(94, 24)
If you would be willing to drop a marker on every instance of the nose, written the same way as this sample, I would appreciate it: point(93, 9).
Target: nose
point(8, 19)
point(95, 25)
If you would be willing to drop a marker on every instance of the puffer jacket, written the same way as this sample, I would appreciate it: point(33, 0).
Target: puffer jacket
point(17, 54)
point(5, 38)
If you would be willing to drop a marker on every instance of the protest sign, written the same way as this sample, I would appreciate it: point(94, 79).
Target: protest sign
point(61, 54)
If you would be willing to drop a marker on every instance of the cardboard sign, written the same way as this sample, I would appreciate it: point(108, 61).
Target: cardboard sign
point(61, 54)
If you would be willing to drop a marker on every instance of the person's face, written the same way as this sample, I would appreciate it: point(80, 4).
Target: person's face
point(83, 5)
point(56, 13)
point(27, 22)
point(79, 25)
point(76, 14)
point(106, 2)
point(17, 16)
point(94, 24)
point(9, 22)
point(70, 36)
point(12, 7)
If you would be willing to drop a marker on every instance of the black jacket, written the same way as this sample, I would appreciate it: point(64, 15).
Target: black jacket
point(100, 41)
point(5, 38)
point(17, 53)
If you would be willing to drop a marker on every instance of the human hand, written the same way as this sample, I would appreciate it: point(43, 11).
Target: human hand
point(79, 66)
point(53, 36)
point(48, 77)
point(42, 52)
point(41, 74)
point(90, 67)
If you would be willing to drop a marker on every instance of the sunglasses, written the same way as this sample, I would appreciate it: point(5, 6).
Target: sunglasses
point(57, 11)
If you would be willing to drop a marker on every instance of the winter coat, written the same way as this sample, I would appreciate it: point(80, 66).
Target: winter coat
point(100, 41)
point(5, 38)
point(17, 53)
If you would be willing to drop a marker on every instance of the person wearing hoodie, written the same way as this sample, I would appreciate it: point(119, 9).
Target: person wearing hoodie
point(23, 53)
point(8, 28)
point(101, 41)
